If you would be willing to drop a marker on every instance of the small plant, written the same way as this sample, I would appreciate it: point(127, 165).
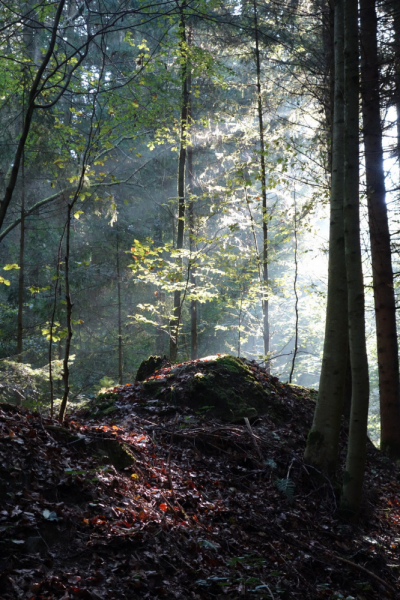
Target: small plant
point(286, 486)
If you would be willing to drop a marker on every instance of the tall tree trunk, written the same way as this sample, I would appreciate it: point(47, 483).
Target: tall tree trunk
point(175, 321)
point(396, 27)
point(356, 451)
point(296, 295)
point(265, 303)
point(119, 315)
point(323, 440)
point(20, 324)
point(382, 272)
point(193, 303)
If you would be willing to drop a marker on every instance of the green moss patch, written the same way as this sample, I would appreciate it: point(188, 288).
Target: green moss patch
point(222, 386)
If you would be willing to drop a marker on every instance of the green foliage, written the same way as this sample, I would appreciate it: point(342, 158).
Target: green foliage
point(22, 384)
point(287, 487)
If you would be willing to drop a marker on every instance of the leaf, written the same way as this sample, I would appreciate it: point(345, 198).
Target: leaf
point(78, 213)
point(207, 544)
point(5, 281)
point(9, 267)
point(50, 516)
point(163, 507)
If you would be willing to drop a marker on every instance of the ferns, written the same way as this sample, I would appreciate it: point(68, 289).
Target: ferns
point(286, 486)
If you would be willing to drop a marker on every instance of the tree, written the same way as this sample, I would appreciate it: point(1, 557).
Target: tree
point(183, 142)
point(357, 444)
point(381, 260)
point(323, 440)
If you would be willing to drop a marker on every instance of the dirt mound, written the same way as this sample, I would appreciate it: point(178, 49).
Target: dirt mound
point(221, 386)
point(157, 501)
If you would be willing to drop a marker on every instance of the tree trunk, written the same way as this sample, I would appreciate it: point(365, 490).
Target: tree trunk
point(28, 116)
point(193, 303)
point(323, 440)
point(265, 303)
point(382, 272)
point(175, 321)
point(64, 401)
point(356, 451)
point(396, 27)
point(20, 325)
point(119, 316)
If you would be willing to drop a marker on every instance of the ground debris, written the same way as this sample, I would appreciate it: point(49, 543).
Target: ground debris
point(201, 509)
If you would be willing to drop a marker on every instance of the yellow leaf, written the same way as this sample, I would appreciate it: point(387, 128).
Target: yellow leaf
point(9, 267)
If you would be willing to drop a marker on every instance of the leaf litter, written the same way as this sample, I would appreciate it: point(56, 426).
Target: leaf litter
point(157, 501)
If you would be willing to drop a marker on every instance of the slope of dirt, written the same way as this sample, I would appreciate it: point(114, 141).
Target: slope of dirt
point(156, 501)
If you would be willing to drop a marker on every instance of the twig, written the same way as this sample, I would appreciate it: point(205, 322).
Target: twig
point(361, 568)
point(171, 487)
point(253, 439)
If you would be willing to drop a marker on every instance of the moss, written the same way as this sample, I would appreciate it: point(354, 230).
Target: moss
point(106, 396)
point(118, 454)
point(223, 386)
point(233, 364)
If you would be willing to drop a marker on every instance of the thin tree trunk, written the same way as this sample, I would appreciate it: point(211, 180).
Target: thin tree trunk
point(20, 324)
point(160, 295)
point(296, 295)
point(382, 272)
point(193, 303)
point(175, 321)
point(356, 451)
point(265, 303)
point(28, 117)
point(119, 316)
point(52, 319)
point(64, 401)
point(323, 440)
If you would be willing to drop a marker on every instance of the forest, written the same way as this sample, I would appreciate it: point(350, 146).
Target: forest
point(214, 185)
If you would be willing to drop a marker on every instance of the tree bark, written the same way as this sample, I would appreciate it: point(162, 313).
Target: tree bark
point(175, 321)
point(193, 303)
point(263, 178)
point(119, 315)
point(323, 440)
point(356, 451)
point(396, 28)
point(20, 324)
point(382, 272)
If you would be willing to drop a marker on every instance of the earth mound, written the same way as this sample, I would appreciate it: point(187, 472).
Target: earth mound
point(156, 500)
point(221, 386)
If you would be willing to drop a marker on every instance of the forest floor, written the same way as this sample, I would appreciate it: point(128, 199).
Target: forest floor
point(149, 501)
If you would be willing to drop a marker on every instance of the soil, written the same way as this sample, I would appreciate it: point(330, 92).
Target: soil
point(161, 498)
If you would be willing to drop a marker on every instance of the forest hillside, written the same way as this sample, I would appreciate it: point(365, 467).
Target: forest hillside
point(142, 494)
